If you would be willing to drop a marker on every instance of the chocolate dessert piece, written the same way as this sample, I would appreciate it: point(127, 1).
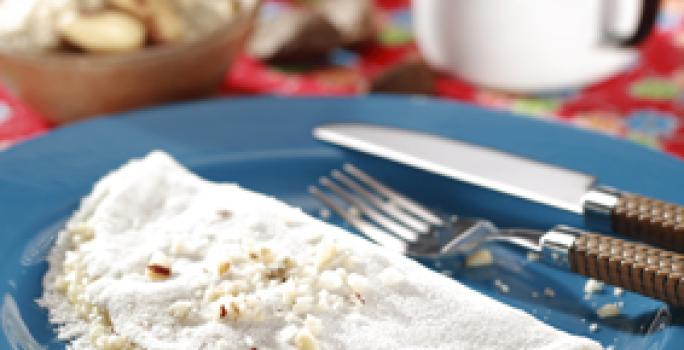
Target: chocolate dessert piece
point(410, 76)
point(354, 19)
point(294, 35)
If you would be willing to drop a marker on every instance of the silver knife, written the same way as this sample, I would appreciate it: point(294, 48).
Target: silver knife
point(650, 220)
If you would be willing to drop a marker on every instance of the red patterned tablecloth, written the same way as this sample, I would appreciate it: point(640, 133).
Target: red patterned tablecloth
point(644, 104)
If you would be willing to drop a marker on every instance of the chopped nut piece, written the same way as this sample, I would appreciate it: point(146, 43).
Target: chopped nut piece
point(251, 301)
point(158, 272)
point(324, 213)
point(178, 247)
point(287, 333)
point(159, 267)
point(223, 312)
point(304, 340)
point(302, 305)
point(249, 341)
point(501, 286)
point(608, 310)
point(313, 324)
point(359, 297)
point(293, 223)
point(549, 292)
point(357, 282)
point(313, 237)
point(323, 304)
point(329, 280)
point(235, 309)
point(533, 256)
point(279, 273)
point(617, 291)
point(288, 262)
point(81, 232)
point(180, 309)
point(264, 255)
point(115, 342)
point(480, 258)
point(71, 261)
point(223, 267)
point(61, 284)
point(213, 294)
point(224, 214)
point(304, 288)
point(341, 272)
point(309, 271)
point(186, 246)
point(593, 286)
point(593, 327)
point(237, 259)
point(236, 287)
point(353, 263)
point(267, 256)
point(326, 253)
point(336, 301)
point(289, 292)
point(390, 277)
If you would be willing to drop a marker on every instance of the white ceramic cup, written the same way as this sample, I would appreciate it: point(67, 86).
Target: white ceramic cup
point(532, 45)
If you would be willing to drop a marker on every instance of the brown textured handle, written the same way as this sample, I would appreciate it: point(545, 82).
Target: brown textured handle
point(653, 272)
point(649, 220)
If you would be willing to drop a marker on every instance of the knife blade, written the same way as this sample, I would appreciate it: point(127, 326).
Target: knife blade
point(603, 207)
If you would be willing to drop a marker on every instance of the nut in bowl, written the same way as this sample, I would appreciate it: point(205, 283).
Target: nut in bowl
point(83, 58)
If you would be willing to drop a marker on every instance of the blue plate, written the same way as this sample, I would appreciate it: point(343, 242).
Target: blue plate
point(265, 144)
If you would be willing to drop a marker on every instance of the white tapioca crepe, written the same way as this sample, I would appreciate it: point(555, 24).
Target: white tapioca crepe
point(158, 258)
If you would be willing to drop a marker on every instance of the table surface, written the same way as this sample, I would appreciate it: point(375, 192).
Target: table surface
point(644, 104)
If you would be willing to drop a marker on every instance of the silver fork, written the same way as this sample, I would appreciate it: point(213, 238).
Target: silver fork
point(396, 222)
point(401, 224)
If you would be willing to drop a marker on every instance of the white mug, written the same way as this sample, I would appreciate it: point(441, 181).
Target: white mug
point(532, 45)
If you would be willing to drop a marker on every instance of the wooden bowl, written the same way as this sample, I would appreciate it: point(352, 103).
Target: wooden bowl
point(66, 87)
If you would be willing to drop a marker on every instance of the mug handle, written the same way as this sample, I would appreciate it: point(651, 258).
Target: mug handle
point(647, 20)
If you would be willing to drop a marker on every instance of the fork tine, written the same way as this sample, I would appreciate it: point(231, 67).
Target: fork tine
point(367, 229)
point(374, 215)
point(393, 211)
point(393, 196)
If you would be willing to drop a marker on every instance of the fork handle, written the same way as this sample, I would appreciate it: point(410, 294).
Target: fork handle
point(646, 219)
point(650, 220)
point(649, 271)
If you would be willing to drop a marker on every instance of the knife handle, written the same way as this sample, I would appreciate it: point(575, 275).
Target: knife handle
point(649, 271)
point(649, 220)
point(639, 217)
